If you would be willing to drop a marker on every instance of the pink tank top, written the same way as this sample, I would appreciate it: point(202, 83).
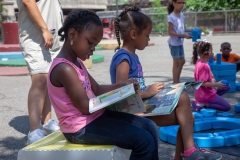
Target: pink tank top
point(70, 118)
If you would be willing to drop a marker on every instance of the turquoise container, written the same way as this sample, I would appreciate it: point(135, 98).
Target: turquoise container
point(196, 34)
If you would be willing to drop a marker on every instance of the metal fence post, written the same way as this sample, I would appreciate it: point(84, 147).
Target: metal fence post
point(226, 25)
point(116, 8)
point(195, 23)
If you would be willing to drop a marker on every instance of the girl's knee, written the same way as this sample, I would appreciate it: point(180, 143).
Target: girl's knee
point(151, 125)
point(227, 107)
point(182, 62)
point(184, 98)
point(184, 95)
point(176, 63)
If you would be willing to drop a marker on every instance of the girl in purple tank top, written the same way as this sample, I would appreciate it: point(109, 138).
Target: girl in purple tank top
point(70, 87)
point(134, 28)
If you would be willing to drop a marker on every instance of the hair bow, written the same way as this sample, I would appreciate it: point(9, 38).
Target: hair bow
point(203, 40)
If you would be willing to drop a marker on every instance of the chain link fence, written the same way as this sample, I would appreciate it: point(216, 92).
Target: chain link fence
point(227, 21)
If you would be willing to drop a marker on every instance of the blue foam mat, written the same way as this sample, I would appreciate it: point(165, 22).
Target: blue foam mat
point(237, 108)
point(209, 131)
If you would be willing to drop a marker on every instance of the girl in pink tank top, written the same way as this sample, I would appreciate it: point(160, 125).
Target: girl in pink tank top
point(70, 87)
point(209, 94)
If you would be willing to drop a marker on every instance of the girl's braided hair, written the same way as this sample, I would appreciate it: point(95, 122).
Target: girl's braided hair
point(79, 20)
point(130, 18)
point(200, 47)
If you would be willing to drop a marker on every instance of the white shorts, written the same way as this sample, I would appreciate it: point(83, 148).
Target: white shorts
point(39, 59)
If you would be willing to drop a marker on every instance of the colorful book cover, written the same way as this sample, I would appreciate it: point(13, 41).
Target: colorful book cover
point(124, 99)
point(165, 101)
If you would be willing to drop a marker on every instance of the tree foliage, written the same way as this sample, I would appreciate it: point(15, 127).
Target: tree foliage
point(2, 10)
point(211, 5)
point(160, 17)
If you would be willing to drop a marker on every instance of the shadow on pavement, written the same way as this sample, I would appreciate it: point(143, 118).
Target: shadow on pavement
point(11, 145)
point(20, 124)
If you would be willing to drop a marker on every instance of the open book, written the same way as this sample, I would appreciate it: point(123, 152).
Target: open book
point(123, 99)
point(165, 101)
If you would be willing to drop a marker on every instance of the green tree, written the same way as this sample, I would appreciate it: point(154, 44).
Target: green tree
point(2, 10)
point(159, 17)
point(3, 17)
point(211, 5)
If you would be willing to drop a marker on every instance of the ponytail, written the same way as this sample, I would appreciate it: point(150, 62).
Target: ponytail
point(130, 18)
point(195, 53)
point(170, 6)
point(200, 47)
point(117, 30)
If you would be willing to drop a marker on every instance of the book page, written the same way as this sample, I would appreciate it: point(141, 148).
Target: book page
point(111, 97)
point(164, 101)
point(131, 105)
point(193, 85)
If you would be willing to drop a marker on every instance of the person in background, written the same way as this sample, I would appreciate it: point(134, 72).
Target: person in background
point(207, 96)
point(176, 31)
point(38, 23)
point(107, 29)
point(227, 56)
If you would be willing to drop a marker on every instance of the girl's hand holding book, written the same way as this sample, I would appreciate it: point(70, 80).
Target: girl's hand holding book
point(135, 84)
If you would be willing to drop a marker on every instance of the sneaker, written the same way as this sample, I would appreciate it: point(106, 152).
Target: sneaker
point(196, 155)
point(195, 107)
point(210, 155)
point(49, 127)
point(34, 136)
point(203, 154)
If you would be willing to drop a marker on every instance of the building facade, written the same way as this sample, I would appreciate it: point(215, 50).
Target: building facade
point(11, 9)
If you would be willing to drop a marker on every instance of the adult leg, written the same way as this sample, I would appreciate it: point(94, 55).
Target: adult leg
point(219, 103)
point(46, 111)
point(123, 130)
point(36, 100)
point(182, 115)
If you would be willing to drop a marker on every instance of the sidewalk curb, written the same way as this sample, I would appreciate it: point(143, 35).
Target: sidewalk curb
point(13, 71)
